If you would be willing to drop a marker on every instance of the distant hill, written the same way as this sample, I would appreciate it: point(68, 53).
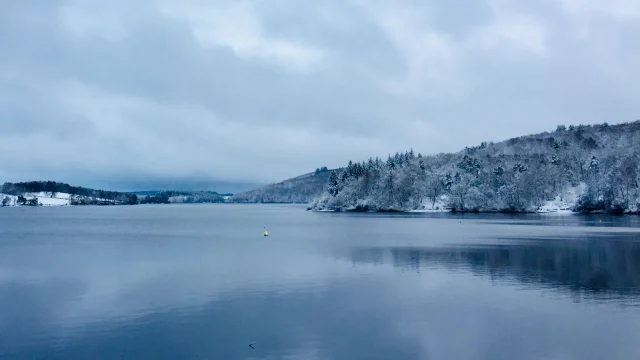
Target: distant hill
point(182, 197)
point(301, 189)
point(154, 192)
point(55, 193)
point(576, 168)
point(145, 193)
point(146, 186)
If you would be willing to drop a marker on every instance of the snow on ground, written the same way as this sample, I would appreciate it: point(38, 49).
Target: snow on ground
point(43, 194)
point(10, 202)
point(564, 203)
point(49, 199)
point(52, 201)
point(438, 206)
point(177, 199)
point(44, 198)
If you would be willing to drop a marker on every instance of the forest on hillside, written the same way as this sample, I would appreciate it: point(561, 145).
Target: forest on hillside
point(183, 197)
point(517, 175)
point(300, 190)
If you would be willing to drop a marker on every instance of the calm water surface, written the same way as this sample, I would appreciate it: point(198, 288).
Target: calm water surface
point(201, 282)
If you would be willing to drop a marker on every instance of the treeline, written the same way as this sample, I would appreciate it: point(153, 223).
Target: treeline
point(81, 195)
point(185, 197)
point(518, 175)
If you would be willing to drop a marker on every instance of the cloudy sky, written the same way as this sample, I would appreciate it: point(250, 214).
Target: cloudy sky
point(134, 94)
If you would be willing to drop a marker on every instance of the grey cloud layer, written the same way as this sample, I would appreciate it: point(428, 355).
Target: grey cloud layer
point(260, 91)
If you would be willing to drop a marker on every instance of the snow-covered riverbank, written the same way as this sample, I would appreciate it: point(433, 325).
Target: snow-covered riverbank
point(564, 203)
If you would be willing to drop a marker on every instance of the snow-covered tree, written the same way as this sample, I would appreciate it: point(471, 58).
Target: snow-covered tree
point(515, 175)
point(333, 187)
point(391, 163)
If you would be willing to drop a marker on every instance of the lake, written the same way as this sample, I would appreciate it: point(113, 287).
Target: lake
point(201, 282)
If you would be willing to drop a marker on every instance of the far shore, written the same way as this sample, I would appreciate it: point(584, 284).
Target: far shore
point(360, 210)
point(450, 211)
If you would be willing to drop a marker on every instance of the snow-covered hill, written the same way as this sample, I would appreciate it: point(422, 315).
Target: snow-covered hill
point(43, 199)
point(581, 168)
point(300, 189)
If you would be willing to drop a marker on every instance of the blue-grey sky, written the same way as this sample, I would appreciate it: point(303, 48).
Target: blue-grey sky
point(133, 94)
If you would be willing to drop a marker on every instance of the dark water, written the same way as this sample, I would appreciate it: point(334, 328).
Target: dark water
point(201, 282)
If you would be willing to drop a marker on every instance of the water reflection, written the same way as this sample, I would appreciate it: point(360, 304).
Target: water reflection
point(200, 282)
point(575, 220)
point(587, 265)
point(328, 324)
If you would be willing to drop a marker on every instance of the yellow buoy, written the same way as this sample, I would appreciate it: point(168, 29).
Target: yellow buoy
point(266, 233)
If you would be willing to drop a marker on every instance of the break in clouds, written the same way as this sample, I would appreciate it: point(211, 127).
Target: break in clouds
point(129, 95)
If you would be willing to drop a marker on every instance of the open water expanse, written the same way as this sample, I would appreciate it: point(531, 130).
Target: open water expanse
point(201, 282)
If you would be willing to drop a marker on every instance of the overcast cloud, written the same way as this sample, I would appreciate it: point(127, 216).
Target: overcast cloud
point(131, 94)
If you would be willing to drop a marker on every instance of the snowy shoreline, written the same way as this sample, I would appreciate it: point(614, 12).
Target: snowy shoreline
point(32, 199)
point(449, 211)
point(563, 204)
point(445, 211)
point(43, 199)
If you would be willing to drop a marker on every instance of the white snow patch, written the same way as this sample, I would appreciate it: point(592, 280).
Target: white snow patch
point(178, 199)
point(563, 203)
point(50, 199)
point(49, 195)
point(10, 202)
point(438, 206)
point(430, 210)
point(44, 198)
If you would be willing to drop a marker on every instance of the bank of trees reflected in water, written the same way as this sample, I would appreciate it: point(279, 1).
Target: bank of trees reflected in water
point(594, 265)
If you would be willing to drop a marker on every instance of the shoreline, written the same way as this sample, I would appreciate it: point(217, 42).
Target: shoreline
point(449, 211)
point(559, 212)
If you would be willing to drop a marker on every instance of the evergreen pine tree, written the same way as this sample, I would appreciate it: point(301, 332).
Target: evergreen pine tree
point(447, 182)
point(344, 176)
point(350, 169)
point(593, 164)
point(399, 159)
point(391, 164)
point(371, 165)
point(333, 183)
